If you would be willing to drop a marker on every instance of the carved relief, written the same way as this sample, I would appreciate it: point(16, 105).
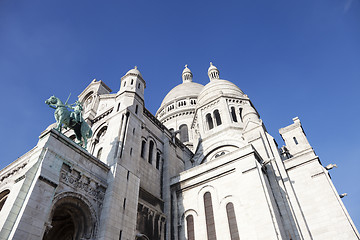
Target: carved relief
point(82, 183)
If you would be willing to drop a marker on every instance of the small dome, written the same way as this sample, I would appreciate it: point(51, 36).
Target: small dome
point(184, 90)
point(217, 88)
point(213, 72)
point(212, 67)
point(187, 75)
point(134, 71)
point(186, 69)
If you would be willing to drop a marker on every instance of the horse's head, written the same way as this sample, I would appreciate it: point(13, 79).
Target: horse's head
point(51, 100)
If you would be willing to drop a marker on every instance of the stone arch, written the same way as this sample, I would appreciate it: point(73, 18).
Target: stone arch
point(214, 153)
point(238, 143)
point(151, 151)
point(193, 213)
point(184, 133)
point(214, 194)
point(143, 147)
point(98, 137)
point(71, 217)
point(209, 155)
point(242, 215)
point(209, 121)
point(151, 148)
point(217, 117)
point(3, 196)
point(87, 100)
point(140, 236)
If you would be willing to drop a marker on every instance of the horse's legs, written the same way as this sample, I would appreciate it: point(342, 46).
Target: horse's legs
point(57, 118)
point(60, 123)
point(85, 142)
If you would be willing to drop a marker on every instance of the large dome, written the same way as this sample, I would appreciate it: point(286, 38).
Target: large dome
point(217, 88)
point(184, 90)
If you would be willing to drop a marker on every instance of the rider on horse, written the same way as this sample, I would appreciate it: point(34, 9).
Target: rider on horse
point(77, 115)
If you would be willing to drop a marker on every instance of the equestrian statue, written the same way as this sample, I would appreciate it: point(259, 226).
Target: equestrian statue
point(70, 119)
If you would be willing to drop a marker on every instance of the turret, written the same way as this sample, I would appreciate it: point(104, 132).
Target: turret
point(133, 82)
point(213, 72)
point(187, 75)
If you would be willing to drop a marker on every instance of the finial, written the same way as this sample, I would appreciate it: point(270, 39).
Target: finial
point(135, 67)
point(213, 72)
point(186, 74)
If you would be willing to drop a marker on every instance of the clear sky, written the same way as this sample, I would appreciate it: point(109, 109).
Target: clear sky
point(293, 58)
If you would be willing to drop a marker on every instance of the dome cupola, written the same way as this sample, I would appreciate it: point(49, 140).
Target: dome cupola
point(133, 82)
point(187, 75)
point(213, 72)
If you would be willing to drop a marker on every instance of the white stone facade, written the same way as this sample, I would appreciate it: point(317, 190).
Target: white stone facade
point(204, 167)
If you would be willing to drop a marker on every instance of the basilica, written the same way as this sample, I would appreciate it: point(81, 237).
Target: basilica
point(204, 167)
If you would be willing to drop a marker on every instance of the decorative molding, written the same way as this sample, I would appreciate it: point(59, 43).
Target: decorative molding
point(82, 183)
point(13, 172)
point(102, 115)
point(153, 119)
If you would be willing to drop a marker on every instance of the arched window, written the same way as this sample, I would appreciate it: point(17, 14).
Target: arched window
point(295, 141)
point(184, 134)
point(209, 121)
point(209, 217)
point(124, 84)
point(157, 160)
point(136, 109)
point(190, 227)
point(240, 114)
point(139, 85)
point(132, 81)
point(151, 150)
point(143, 144)
point(98, 155)
point(101, 133)
point(234, 233)
point(233, 114)
point(3, 196)
point(217, 117)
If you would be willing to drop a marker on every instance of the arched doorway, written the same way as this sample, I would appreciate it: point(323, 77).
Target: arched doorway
point(71, 219)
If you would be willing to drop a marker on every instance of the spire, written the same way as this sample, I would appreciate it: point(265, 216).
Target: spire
point(187, 75)
point(213, 72)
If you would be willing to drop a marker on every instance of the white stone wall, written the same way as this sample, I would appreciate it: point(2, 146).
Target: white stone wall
point(236, 178)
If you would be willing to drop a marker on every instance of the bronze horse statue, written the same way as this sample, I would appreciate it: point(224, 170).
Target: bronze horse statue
point(65, 117)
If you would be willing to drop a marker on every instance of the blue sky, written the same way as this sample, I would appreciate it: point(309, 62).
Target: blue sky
point(293, 58)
